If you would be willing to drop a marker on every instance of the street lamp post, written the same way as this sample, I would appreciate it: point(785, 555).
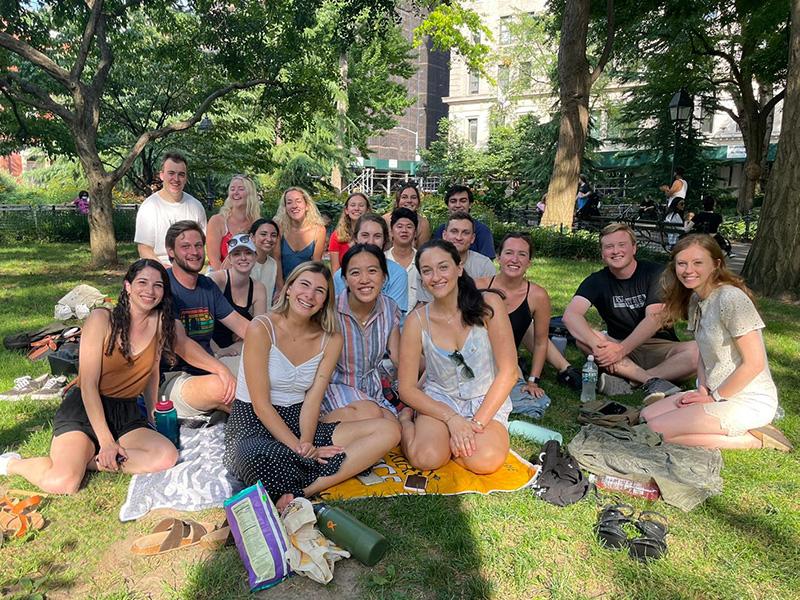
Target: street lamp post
point(680, 109)
point(205, 127)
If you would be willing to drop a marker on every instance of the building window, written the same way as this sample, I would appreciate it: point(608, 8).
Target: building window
point(474, 83)
point(472, 130)
point(706, 120)
point(502, 77)
point(505, 31)
point(525, 75)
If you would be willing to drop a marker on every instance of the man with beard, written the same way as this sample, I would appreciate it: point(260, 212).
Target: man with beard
point(196, 389)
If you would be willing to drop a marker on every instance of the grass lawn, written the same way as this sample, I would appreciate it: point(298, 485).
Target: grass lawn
point(744, 543)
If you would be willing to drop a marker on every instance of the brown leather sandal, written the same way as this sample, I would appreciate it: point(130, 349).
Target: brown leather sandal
point(771, 437)
point(171, 534)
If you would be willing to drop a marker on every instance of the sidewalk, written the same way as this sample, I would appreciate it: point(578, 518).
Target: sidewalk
point(736, 260)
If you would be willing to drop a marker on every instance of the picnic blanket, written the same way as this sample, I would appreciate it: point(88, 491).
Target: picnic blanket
point(516, 473)
point(199, 480)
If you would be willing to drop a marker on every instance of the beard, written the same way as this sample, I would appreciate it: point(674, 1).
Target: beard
point(186, 266)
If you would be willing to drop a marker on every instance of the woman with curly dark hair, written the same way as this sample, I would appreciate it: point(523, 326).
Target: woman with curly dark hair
point(99, 425)
point(467, 343)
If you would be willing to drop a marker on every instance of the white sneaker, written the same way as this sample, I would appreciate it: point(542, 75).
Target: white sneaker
point(51, 390)
point(24, 386)
point(4, 460)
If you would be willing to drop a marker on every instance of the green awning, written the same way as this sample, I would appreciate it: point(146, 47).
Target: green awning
point(625, 159)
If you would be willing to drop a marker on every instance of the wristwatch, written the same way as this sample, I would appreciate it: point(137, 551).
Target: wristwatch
point(717, 398)
point(533, 379)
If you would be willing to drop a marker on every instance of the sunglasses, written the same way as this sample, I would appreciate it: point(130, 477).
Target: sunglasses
point(242, 239)
point(458, 358)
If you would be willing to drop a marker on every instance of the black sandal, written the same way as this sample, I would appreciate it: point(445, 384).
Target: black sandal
point(610, 523)
point(652, 544)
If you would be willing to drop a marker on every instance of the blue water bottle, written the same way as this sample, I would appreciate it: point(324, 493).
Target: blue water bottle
point(167, 421)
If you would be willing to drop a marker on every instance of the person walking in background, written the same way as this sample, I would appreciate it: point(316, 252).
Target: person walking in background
point(163, 208)
point(237, 214)
point(81, 202)
point(678, 188)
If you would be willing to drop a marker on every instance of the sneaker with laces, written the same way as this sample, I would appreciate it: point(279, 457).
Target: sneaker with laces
point(24, 386)
point(51, 390)
point(4, 460)
point(570, 377)
point(657, 385)
point(611, 385)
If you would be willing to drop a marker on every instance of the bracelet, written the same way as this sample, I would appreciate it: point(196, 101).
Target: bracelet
point(478, 423)
point(715, 395)
point(533, 379)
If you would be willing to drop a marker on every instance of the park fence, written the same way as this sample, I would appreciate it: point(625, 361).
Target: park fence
point(58, 223)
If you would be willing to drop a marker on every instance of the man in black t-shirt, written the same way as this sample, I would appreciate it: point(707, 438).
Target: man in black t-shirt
point(200, 383)
point(626, 293)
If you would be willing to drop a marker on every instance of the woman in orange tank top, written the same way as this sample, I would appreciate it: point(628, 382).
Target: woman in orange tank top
point(99, 425)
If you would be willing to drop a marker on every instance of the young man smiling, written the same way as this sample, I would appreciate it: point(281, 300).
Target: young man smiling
point(200, 386)
point(460, 231)
point(165, 207)
point(626, 293)
point(459, 199)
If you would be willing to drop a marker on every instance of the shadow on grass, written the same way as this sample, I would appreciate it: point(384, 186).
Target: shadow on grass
point(432, 553)
point(32, 417)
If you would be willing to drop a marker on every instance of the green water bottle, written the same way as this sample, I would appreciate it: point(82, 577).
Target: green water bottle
point(362, 542)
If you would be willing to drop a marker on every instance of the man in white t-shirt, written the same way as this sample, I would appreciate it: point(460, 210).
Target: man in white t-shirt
point(460, 231)
point(165, 207)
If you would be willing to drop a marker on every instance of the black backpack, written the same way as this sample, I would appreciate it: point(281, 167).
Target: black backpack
point(560, 481)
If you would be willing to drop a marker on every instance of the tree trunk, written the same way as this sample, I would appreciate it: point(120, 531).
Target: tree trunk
point(575, 84)
point(102, 240)
point(773, 264)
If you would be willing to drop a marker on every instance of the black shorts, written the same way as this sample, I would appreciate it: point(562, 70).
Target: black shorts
point(123, 415)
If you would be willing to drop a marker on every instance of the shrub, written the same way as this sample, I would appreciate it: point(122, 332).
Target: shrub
point(42, 225)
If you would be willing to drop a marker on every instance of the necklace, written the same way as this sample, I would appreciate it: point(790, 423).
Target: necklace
point(449, 319)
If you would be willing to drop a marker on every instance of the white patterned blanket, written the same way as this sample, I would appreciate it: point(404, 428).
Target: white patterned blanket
point(197, 482)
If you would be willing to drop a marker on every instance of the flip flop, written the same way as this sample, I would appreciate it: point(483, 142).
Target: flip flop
point(171, 534)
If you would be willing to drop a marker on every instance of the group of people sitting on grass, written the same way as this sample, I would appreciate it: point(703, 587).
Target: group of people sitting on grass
point(322, 372)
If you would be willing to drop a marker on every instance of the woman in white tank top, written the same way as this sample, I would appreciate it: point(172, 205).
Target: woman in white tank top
point(274, 433)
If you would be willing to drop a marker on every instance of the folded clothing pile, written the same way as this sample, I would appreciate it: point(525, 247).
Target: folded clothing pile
point(685, 475)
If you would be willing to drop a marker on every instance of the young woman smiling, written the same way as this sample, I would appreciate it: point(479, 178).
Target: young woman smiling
point(265, 236)
point(407, 196)
point(99, 425)
point(356, 205)
point(736, 398)
point(237, 214)
point(274, 434)
point(369, 322)
point(465, 338)
point(302, 230)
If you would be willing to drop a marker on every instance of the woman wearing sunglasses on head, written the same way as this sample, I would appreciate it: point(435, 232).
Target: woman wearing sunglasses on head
point(247, 297)
point(470, 362)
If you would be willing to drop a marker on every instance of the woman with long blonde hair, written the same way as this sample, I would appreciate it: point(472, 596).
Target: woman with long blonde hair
point(274, 434)
point(236, 216)
point(302, 230)
point(735, 399)
point(356, 205)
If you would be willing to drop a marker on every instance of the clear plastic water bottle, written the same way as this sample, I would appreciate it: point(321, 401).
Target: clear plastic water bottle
point(637, 489)
point(167, 421)
point(589, 378)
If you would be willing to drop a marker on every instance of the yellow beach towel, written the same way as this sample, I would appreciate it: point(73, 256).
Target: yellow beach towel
point(515, 474)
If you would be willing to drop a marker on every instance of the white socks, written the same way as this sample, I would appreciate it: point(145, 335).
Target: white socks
point(4, 460)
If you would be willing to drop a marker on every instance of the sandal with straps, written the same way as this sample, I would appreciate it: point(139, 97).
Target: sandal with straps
point(652, 544)
point(610, 523)
point(18, 517)
point(171, 534)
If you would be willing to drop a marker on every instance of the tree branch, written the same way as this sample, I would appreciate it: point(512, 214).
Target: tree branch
point(106, 59)
point(770, 106)
point(155, 134)
point(32, 55)
point(86, 40)
point(610, 33)
point(23, 132)
point(40, 98)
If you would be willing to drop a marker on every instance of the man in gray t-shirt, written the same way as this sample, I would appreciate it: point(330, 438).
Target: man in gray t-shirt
point(460, 231)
